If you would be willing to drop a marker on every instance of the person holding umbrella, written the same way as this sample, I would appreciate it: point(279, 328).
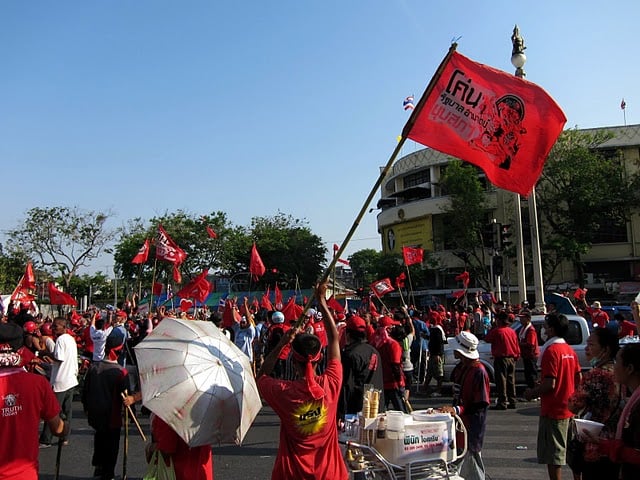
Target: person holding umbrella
point(307, 407)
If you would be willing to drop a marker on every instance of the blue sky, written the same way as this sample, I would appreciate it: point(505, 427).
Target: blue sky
point(251, 107)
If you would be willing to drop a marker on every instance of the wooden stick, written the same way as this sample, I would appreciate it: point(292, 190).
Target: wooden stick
point(135, 420)
point(125, 452)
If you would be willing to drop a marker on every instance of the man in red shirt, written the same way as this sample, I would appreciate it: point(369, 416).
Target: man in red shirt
point(391, 356)
point(560, 373)
point(27, 399)
point(599, 318)
point(528, 348)
point(307, 407)
point(505, 349)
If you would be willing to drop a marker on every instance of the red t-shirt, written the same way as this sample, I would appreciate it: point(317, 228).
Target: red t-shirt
point(319, 331)
point(309, 447)
point(627, 328)
point(27, 398)
point(559, 361)
point(598, 316)
point(504, 342)
point(195, 463)
point(391, 357)
point(529, 342)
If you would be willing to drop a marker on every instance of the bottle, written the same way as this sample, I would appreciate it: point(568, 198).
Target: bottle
point(382, 428)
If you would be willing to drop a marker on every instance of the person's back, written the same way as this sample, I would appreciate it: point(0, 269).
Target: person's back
point(307, 407)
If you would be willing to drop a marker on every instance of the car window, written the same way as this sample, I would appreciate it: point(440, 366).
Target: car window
point(574, 334)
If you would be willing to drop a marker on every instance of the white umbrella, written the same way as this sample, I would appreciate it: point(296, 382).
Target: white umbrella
point(196, 380)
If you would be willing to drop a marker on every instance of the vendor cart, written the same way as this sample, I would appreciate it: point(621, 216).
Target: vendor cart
point(429, 447)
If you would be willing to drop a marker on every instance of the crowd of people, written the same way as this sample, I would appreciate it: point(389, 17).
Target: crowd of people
point(319, 369)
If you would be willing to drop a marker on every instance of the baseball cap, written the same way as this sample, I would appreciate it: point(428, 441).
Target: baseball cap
point(115, 339)
point(354, 322)
point(466, 344)
point(388, 322)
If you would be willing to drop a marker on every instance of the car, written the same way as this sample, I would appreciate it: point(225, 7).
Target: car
point(576, 337)
point(624, 310)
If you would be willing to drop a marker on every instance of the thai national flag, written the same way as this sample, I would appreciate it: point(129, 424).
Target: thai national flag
point(408, 103)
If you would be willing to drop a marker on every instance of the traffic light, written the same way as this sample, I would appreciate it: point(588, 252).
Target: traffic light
point(497, 265)
point(505, 237)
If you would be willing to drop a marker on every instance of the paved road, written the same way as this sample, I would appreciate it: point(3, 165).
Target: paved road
point(506, 430)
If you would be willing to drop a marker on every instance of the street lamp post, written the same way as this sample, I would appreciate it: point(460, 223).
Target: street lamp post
point(518, 59)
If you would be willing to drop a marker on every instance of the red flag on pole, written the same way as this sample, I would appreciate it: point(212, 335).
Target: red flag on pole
point(277, 296)
point(382, 287)
point(412, 255)
point(198, 288)
point(335, 305)
point(58, 297)
point(256, 267)
point(501, 123)
point(143, 253)
point(336, 247)
point(344, 262)
point(211, 233)
point(157, 289)
point(167, 249)
point(27, 284)
point(464, 278)
point(400, 280)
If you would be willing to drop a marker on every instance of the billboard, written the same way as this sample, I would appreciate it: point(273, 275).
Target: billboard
point(413, 233)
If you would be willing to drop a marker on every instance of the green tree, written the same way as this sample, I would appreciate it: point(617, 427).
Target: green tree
point(465, 218)
point(584, 195)
point(62, 239)
point(12, 267)
point(287, 245)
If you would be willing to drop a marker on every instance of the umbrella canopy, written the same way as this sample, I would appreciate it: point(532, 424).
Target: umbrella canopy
point(196, 380)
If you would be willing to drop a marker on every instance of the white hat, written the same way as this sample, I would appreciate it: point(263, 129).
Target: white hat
point(596, 305)
point(466, 344)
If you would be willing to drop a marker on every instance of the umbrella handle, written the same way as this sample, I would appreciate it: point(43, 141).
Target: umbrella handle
point(135, 420)
point(58, 456)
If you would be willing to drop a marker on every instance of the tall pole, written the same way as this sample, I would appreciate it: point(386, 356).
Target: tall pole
point(518, 60)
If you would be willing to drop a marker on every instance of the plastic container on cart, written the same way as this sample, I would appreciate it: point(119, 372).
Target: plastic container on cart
point(421, 440)
point(395, 420)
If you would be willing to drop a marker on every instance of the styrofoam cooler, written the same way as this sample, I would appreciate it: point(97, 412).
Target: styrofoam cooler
point(425, 437)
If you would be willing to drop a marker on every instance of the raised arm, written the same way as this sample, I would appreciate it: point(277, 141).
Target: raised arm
point(333, 346)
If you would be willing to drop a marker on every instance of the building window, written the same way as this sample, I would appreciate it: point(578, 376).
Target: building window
point(423, 176)
point(611, 231)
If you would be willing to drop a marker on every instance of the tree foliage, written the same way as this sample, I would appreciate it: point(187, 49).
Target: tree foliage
point(62, 239)
point(12, 267)
point(292, 254)
point(584, 192)
point(465, 218)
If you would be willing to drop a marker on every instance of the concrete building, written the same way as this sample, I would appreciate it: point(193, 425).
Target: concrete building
point(411, 206)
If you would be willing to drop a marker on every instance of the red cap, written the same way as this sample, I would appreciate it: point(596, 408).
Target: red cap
point(357, 323)
point(388, 322)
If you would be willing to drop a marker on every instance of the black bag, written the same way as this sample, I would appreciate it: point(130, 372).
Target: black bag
point(575, 449)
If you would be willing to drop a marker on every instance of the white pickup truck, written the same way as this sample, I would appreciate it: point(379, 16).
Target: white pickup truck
point(576, 337)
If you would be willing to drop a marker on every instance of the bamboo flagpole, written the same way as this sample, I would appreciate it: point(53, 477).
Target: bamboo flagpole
point(383, 173)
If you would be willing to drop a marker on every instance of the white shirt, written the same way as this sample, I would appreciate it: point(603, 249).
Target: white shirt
point(99, 338)
point(64, 372)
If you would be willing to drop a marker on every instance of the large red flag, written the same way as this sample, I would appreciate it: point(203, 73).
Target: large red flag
point(167, 249)
point(335, 305)
point(412, 255)
point(381, 287)
point(198, 288)
point(499, 122)
point(143, 253)
point(58, 297)
point(256, 267)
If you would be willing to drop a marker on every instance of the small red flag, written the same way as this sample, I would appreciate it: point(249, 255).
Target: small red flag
point(24, 290)
point(464, 278)
point(168, 250)
point(29, 278)
point(278, 296)
point(265, 302)
point(256, 267)
point(336, 247)
point(198, 288)
point(580, 293)
point(382, 287)
point(58, 297)
point(501, 123)
point(211, 233)
point(143, 253)
point(412, 255)
point(157, 289)
point(345, 262)
point(292, 310)
point(335, 305)
point(400, 280)
point(623, 104)
point(458, 293)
